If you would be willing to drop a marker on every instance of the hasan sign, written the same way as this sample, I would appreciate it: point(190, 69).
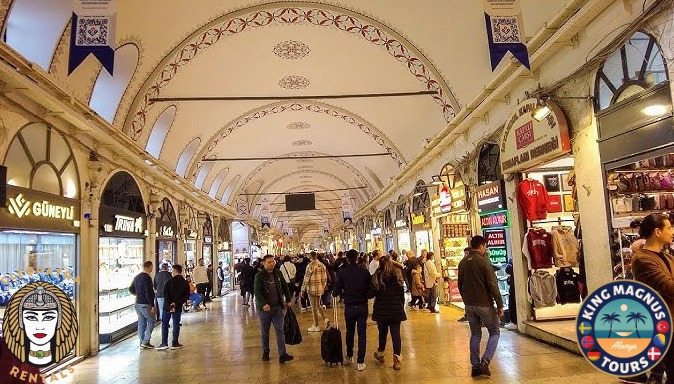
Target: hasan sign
point(526, 142)
point(490, 197)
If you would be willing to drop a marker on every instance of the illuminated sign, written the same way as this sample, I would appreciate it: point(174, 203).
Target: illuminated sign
point(190, 233)
point(458, 197)
point(495, 220)
point(376, 231)
point(21, 207)
point(497, 246)
point(490, 197)
point(208, 239)
point(418, 219)
point(128, 224)
point(401, 223)
point(445, 199)
point(166, 231)
point(498, 256)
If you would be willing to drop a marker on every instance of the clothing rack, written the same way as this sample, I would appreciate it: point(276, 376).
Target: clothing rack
point(559, 221)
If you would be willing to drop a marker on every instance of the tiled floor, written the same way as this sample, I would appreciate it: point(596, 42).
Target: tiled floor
point(222, 346)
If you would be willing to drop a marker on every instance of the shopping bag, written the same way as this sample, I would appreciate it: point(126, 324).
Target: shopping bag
point(291, 328)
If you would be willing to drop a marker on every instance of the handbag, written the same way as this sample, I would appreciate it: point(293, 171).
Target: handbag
point(291, 328)
point(292, 279)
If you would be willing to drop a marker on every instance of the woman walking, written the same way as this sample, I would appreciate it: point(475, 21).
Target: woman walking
point(389, 308)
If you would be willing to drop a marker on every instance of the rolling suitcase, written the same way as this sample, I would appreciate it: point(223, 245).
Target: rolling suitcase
point(331, 341)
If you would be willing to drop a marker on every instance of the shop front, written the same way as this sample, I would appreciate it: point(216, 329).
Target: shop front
point(225, 255)
point(121, 246)
point(389, 242)
point(402, 226)
point(377, 236)
point(421, 219)
point(190, 236)
point(207, 246)
point(40, 226)
point(167, 231)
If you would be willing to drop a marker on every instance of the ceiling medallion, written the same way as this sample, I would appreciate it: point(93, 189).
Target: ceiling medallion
point(304, 161)
point(291, 50)
point(305, 167)
point(301, 143)
point(299, 125)
point(293, 82)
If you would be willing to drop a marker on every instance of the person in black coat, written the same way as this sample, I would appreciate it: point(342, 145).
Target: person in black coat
point(301, 267)
point(247, 281)
point(389, 307)
point(176, 292)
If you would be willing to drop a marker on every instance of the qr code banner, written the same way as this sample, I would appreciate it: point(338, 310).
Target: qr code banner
point(505, 29)
point(93, 31)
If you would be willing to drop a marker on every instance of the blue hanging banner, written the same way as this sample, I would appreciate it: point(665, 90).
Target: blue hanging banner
point(505, 31)
point(93, 32)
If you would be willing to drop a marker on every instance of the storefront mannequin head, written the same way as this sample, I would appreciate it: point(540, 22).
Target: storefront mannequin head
point(478, 244)
point(268, 262)
point(147, 267)
point(177, 270)
point(657, 230)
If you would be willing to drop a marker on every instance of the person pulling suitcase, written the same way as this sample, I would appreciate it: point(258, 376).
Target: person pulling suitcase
point(352, 285)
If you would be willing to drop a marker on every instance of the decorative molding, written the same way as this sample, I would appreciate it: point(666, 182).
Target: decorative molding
point(315, 14)
point(298, 125)
point(301, 143)
point(294, 82)
point(291, 50)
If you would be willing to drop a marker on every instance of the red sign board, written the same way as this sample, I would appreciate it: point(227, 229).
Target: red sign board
point(496, 239)
point(524, 135)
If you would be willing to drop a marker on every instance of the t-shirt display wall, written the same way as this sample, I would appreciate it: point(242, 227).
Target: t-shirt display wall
point(551, 243)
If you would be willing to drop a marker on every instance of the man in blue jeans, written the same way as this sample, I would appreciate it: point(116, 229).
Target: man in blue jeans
point(145, 309)
point(272, 296)
point(353, 284)
point(479, 290)
point(176, 292)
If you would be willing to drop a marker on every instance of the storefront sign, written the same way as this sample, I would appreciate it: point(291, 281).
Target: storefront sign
point(166, 231)
point(526, 142)
point(121, 223)
point(28, 209)
point(445, 198)
point(128, 224)
point(376, 232)
point(401, 223)
point(420, 221)
point(490, 197)
point(498, 219)
point(497, 246)
point(191, 234)
point(459, 197)
point(208, 239)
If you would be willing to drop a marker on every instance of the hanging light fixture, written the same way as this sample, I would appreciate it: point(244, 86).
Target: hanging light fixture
point(542, 110)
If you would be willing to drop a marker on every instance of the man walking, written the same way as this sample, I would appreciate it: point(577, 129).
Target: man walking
point(479, 290)
point(200, 279)
point(374, 264)
point(315, 281)
point(176, 293)
point(145, 309)
point(271, 298)
point(247, 281)
point(431, 276)
point(221, 278)
point(353, 284)
point(160, 280)
point(289, 272)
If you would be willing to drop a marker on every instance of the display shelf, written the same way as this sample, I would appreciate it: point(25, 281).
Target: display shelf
point(660, 192)
point(641, 213)
point(641, 170)
point(118, 305)
point(119, 323)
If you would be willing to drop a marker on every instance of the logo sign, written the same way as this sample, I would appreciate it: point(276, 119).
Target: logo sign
point(166, 231)
point(445, 199)
point(418, 219)
point(21, 207)
point(376, 231)
point(128, 224)
point(40, 326)
point(401, 223)
point(624, 328)
point(208, 239)
point(458, 198)
point(495, 220)
point(497, 246)
point(527, 142)
point(490, 197)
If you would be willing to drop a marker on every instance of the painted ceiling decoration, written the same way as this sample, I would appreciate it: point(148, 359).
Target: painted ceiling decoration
point(299, 125)
point(310, 106)
point(291, 50)
point(301, 143)
point(300, 13)
point(294, 82)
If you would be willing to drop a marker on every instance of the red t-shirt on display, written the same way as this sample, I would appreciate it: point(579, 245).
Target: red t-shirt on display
point(538, 248)
point(533, 199)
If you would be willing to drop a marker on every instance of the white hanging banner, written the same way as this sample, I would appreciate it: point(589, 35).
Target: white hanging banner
point(265, 212)
point(93, 32)
point(285, 227)
point(290, 232)
point(326, 226)
point(347, 207)
point(505, 31)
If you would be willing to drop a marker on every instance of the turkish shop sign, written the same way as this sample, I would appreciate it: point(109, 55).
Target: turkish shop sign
point(497, 246)
point(115, 222)
point(527, 143)
point(498, 219)
point(29, 209)
point(420, 221)
point(166, 230)
point(490, 197)
point(401, 223)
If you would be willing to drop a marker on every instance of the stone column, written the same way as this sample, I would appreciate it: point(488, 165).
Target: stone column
point(199, 252)
point(151, 245)
point(180, 244)
point(87, 340)
point(214, 255)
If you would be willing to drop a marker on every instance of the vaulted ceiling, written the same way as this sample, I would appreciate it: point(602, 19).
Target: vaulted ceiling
point(205, 48)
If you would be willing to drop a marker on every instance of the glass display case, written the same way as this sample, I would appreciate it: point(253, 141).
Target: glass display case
point(120, 260)
point(226, 258)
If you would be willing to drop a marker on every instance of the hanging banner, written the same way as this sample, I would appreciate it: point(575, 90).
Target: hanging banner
point(326, 226)
point(290, 232)
point(93, 32)
point(347, 208)
point(265, 212)
point(284, 227)
point(505, 31)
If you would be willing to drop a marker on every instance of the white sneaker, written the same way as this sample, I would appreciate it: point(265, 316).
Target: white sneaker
point(348, 360)
point(511, 326)
point(314, 329)
point(361, 366)
point(303, 310)
point(326, 322)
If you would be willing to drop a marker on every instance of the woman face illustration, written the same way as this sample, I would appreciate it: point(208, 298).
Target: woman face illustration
point(40, 325)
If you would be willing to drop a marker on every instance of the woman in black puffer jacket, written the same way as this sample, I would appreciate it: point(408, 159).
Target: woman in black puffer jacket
point(389, 308)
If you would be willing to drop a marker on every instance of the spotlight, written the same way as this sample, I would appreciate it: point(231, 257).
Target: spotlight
point(541, 111)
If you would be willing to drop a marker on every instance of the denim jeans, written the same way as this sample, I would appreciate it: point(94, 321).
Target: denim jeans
point(432, 294)
point(356, 315)
point(196, 300)
point(145, 322)
point(478, 316)
point(160, 307)
point(166, 316)
point(275, 316)
point(395, 336)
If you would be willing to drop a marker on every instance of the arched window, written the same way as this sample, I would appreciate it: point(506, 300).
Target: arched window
point(160, 130)
point(186, 156)
point(488, 168)
point(217, 183)
point(34, 28)
point(420, 199)
point(108, 90)
point(635, 67)
point(123, 193)
point(230, 188)
point(40, 158)
point(203, 172)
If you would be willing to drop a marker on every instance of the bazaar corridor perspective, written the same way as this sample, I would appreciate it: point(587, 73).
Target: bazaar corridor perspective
point(440, 190)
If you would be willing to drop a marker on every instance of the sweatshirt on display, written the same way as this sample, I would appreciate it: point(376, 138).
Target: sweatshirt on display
point(537, 248)
point(533, 199)
point(568, 285)
point(542, 289)
point(565, 247)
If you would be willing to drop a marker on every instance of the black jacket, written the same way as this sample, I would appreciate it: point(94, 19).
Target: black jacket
point(247, 278)
point(389, 300)
point(353, 285)
point(159, 280)
point(176, 290)
point(477, 281)
point(142, 288)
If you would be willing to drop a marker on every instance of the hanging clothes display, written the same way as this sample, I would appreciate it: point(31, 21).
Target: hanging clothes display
point(538, 248)
point(542, 289)
point(533, 198)
point(568, 285)
point(565, 246)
